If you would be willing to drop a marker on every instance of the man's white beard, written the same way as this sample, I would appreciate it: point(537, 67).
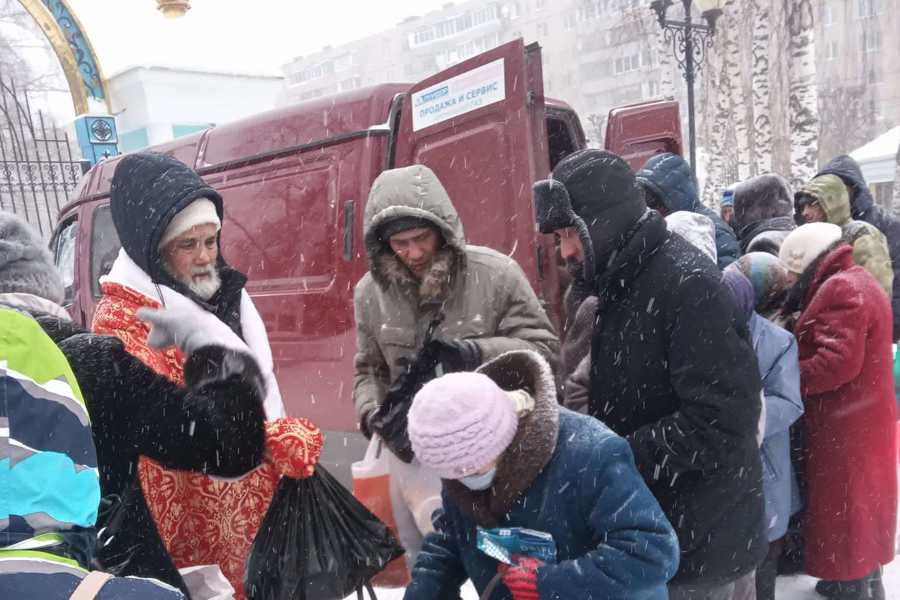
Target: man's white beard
point(205, 288)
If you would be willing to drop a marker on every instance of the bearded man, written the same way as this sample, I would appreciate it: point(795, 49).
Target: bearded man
point(168, 221)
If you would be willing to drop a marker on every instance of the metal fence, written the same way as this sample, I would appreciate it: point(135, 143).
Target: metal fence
point(37, 168)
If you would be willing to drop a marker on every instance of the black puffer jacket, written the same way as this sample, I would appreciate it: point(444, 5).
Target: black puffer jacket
point(863, 208)
point(214, 424)
point(669, 178)
point(671, 373)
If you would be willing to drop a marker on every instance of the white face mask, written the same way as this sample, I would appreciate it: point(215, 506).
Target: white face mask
point(478, 483)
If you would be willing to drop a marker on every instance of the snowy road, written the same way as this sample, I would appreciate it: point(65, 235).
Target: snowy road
point(788, 588)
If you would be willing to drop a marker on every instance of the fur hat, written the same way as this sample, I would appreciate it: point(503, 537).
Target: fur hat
point(760, 198)
point(460, 423)
point(806, 243)
point(26, 265)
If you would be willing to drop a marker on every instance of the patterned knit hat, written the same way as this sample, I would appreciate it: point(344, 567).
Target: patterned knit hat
point(26, 265)
point(460, 423)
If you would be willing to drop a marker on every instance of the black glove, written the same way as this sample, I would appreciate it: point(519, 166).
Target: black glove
point(389, 421)
point(455, 355)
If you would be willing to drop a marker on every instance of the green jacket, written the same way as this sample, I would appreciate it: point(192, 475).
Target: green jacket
point(483, 294)
point(870, 249)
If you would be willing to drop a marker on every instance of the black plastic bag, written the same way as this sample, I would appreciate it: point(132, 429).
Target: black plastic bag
point(317, 542)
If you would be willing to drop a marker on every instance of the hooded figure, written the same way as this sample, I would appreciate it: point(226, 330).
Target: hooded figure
point(153, 199)
point(669, 372)
point(699, 230)
point(669, 185)
point(776, 353)
point(168, 221)
point(844, 337)
point(509, 456)
point(428, 293)
point(48, 469)
point(696, 229)
point(827, 198)
point(863, 208)
point(763, 213)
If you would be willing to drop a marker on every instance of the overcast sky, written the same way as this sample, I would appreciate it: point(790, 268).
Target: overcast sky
point(255, 36)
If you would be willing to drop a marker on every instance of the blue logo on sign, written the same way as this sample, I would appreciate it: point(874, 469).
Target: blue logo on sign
point(433, 95)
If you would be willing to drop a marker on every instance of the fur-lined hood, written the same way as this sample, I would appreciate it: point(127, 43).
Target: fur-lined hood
point(531, 448)
point(413, 191)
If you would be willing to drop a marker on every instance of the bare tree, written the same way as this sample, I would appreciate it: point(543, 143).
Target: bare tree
point(734, 16)
point(802, 100)
point(760, 86)
point(597, 130)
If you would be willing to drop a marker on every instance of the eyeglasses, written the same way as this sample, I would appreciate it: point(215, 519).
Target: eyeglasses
point(193, 245)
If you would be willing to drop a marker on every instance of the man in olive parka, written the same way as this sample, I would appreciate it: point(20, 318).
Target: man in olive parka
point(825, 199)
point(425, 282)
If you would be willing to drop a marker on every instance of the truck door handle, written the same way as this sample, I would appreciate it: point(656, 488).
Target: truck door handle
point(348, 230)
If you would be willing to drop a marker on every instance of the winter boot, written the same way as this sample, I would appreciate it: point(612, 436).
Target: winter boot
point(866, 588)
point(827, 588)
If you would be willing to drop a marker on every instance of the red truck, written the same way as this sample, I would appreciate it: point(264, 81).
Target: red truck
point(295, 182)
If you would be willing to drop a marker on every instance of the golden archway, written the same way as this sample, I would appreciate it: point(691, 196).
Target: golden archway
point(73, 48)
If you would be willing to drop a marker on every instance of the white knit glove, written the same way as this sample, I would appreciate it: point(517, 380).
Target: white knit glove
point(189, 327)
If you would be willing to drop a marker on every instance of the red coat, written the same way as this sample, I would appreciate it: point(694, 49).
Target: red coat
point(844, 336)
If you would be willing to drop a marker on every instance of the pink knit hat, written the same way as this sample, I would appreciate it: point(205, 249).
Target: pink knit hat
point(460, 423)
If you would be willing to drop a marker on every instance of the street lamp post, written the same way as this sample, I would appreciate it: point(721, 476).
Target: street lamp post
point(689, 41)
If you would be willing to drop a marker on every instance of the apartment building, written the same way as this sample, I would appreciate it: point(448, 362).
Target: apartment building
point(597, 54)
point(857, 50)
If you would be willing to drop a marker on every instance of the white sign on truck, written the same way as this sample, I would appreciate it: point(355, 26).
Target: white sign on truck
point(459, 95)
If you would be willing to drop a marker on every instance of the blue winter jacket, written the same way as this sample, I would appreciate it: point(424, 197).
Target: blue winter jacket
point(669, 177)
point(779, 368)
point(612, 537)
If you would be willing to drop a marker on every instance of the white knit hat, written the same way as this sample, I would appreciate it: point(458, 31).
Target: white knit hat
point(806, 243)
point(199, 212)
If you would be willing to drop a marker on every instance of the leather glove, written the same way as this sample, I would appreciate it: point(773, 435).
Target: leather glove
point(521, 579)
point(389, 421)
point(455, 355)
point(189, 327)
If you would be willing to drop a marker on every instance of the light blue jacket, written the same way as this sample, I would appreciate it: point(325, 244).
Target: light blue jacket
point(779, 368)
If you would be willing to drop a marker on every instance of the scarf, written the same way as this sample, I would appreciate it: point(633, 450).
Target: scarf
point(126, 273)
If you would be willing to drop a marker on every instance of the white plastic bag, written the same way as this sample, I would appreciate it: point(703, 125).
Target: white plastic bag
point(207, 582)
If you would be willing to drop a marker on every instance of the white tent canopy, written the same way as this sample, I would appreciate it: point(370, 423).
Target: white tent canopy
point(878, 158)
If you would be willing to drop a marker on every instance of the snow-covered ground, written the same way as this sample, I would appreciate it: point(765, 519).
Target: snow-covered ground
point(788, 588)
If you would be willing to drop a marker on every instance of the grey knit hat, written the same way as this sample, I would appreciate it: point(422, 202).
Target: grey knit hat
point(25, 262)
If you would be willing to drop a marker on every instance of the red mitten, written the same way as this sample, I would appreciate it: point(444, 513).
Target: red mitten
point(293, 445)
point(521, 579)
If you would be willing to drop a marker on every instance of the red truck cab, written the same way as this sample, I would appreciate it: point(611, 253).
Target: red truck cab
point(295, 182)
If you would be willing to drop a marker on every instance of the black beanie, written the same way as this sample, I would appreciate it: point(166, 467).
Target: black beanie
point(401, 224)
point(605, 195)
